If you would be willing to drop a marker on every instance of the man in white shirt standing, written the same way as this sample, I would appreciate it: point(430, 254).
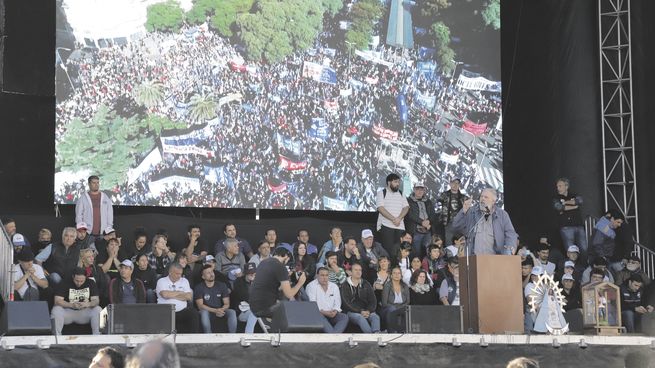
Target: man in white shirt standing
point(392, 207)
point(174, 289)
point(326, 294)
point(29, 277)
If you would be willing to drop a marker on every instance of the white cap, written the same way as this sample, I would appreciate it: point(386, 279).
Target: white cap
point(567, 276)
point(569, 264)
point(18, 239)
point(209, 257)
point(109, 230)
point(81, 225)
point(452, 250)
point(573, 248)
point(537, 271)
point(367, 233)
point(127, 263)
point(419, 184)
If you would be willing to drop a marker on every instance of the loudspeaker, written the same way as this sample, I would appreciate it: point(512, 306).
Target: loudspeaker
point(297, 317)
point(433, 319)
point(141, 318)
point(25, 319)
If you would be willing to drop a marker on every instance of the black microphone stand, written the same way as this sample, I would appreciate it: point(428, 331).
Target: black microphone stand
point(468, 268)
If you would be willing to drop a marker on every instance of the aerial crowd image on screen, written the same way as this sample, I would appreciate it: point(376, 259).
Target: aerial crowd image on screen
point(294, 104)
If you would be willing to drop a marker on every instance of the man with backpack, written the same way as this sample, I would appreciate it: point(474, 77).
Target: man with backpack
point(392, 207)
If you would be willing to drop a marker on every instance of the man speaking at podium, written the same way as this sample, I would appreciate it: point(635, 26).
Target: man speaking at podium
point(488, 228)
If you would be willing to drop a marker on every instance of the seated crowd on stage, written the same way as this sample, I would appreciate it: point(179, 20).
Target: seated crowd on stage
point(361, 281)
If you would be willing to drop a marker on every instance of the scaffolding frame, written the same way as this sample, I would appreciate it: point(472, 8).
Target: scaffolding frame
point(620, 176)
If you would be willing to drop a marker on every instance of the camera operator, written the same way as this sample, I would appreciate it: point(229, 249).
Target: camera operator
point(273, 275)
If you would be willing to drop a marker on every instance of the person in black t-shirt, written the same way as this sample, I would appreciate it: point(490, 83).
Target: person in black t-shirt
point(569, 217)
point(213, 300)
point(147, 275)
point(271, 276)
point(76, 301)
point(196, 248)
point(110, 260)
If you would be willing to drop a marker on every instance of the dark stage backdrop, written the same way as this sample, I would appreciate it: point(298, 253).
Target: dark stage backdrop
point(551, 113)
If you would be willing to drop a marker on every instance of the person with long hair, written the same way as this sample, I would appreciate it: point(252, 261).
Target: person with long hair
point(420, 290)
point(395, 296)
point(434, 262)
point(161, 256)
point(304, 262)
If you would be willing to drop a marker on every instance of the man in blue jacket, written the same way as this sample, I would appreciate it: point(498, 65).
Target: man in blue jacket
point(488, 228)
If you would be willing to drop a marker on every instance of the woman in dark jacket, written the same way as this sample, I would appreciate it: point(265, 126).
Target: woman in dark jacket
point(420, 290)
point(395, 296)
point(304, 262)
point(143, 272)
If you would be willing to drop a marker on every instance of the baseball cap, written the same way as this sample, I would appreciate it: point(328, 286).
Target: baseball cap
point(209, 258)
point(634, 257)
point(537, 271)
point(452, 251)
point(18, 240)
point(127, 263)
point(573, 248)
point(419, 184)
point(567, 276)
point(251, 268)
point(25, 255)
point(367, 233)
point(109, 230)
point(81, 225)
point(569, 264)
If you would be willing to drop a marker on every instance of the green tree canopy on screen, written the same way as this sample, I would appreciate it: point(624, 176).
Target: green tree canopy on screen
point(165, 17)
point(363, 15)
point(491, 13)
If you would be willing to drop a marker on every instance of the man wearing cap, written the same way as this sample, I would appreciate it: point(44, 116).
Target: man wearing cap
point(451, 201)
point(240, 296)
point(634, 304)
point(76, 301)
point(126, 289)
point(632, 267)
point(571, 292)
point(213, 301)
point(571, 226)
point(20, 244)
point(420, 219)
point(373, 251)
point(84, 239)
point(94, 208)
point(488, 228)
point(529, 317)
point(573, 256)
point(29, 278)
point(392, 207)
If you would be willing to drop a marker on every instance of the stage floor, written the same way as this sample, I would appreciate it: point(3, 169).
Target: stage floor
point(340, 350)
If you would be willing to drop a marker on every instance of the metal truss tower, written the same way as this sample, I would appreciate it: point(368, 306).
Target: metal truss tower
point(616, 109)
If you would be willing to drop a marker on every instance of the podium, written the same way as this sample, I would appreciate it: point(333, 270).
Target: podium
point(496, 294)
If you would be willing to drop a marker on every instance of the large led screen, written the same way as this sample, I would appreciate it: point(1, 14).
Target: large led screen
point(291, 104)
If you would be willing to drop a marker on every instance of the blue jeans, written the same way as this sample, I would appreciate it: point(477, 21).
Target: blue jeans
point(628, 318)
point(205, 320)
point(363, 323)
point(574, 235)
point(420, 243)
point(337, 324)
point(391, 315)
point(151, 296)
point(54, 278)
point(250, 319)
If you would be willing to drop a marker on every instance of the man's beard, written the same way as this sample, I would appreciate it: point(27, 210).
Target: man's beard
point(394, 188)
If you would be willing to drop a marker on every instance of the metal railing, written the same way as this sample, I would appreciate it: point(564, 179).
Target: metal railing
point(647, 259)
point(6, 265)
